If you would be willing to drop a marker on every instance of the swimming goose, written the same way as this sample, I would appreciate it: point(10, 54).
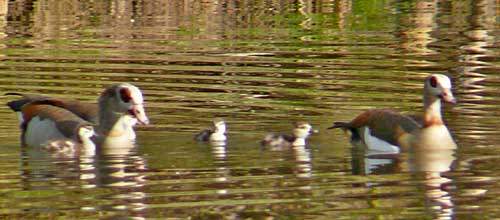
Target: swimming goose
point(299, 135)
point(45, 120)
point(75, 133)
point(215, 133)
point(388, 131)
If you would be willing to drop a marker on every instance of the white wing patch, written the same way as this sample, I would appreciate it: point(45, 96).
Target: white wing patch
point(375, 144)
point(41, 132)
point(20, 117)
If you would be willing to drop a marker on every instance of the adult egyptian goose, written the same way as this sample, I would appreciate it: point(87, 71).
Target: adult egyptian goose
point(215, 133)
point(45, 121)
point(299, 135)
point(388, 131)
point(73, 133)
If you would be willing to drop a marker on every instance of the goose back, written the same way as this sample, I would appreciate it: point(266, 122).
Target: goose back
point(119, 108)
point(384, 124)
point(43, 123)
point(399, 131)
point(86, 111)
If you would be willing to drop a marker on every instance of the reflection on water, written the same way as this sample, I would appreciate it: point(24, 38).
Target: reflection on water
point(123, 174)
point(430, 165)
point(260, 65)
point(417, 35)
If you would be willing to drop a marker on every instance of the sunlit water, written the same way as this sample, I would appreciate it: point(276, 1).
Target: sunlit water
point(260, 66)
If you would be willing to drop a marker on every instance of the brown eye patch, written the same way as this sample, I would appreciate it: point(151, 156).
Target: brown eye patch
point(433, 82)
point(125, 95)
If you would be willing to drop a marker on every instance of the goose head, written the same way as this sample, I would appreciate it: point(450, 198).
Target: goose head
point(438, 87)
point(123, 100)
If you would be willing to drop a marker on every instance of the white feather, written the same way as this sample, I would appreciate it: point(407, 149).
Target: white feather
point(299, 142)
point(375, 144)
point(40, 132)
point(220, 133)
point(126, 125)
point(20, 117)
point(218, 137)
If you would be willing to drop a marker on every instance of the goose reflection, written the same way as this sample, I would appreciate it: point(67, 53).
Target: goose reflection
point(123, 173)
point(426, 165)
point(429, 166)
point(365, 162)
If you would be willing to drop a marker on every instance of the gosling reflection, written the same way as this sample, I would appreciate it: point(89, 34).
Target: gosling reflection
point(303, 165)
point(222, 171)
point(219, 151)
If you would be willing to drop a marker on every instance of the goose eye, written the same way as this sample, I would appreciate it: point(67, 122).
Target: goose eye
point(433, 82)
point(125, 95)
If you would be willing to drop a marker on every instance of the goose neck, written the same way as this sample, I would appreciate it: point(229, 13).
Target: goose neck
point(432, 111)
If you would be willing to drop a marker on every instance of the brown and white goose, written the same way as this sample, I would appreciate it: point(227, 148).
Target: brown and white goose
point(72, 133)
point(45, 121)
point(388, 131)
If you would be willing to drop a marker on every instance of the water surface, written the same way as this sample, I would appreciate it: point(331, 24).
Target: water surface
point(260, 65)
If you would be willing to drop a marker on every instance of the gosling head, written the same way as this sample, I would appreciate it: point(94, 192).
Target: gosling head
point(302, 129)
point(85, 132)
point(219, 126)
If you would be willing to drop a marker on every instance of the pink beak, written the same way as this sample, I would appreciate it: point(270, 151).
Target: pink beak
point(447, 96)
point(138, 112)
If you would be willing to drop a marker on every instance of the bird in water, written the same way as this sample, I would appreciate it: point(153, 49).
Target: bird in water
point(215, 133)
point(53, 123)
point(300, 132)
point(388, 131)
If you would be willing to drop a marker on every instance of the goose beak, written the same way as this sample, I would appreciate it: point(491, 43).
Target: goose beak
point(138, 112)
point(447, 96)
point(452, 100)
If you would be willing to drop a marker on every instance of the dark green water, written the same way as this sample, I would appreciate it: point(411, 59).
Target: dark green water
point(260, 65)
